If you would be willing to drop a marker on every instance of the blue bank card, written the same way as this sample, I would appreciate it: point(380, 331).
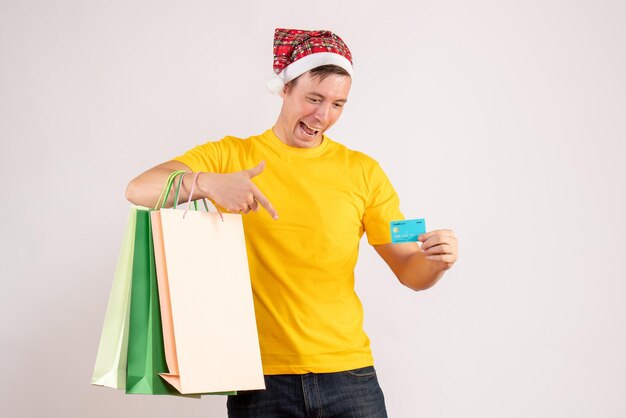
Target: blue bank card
point(407, 230)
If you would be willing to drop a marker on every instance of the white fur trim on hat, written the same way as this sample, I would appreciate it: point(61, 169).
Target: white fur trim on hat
point(294, 70)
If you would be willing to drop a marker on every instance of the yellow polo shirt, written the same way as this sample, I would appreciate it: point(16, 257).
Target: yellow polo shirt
point(302, 266)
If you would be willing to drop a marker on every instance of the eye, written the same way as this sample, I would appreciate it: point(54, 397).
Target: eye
point(313, 100)
point(338, 105)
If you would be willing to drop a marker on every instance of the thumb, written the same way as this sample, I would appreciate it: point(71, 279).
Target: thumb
point(255, 171)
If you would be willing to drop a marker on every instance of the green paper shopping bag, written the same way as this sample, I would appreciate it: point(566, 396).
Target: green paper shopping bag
point(146, 356)
point(110, 368)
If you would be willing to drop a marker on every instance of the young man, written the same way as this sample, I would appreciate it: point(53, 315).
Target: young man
point(318, 198)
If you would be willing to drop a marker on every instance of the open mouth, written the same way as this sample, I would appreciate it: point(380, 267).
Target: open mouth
point(308, 131)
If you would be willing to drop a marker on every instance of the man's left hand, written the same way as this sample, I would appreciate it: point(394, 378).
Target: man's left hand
point(440, 246)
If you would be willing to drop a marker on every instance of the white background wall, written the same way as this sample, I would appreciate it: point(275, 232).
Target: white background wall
point(503, 120)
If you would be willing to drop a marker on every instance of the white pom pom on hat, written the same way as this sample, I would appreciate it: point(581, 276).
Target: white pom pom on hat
point(275, 84)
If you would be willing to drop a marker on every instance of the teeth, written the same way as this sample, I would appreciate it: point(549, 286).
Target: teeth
point(313, 129)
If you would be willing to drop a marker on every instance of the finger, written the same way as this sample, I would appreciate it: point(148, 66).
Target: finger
point(439, 249)
point(443, 232)
point(263, 201)
point(435, 240)
point(437, 233)
point(249, 200)
point(442, 249)
point(436, 247)
point(438, 240)
point(255, 171)
point(254, 206)
point(442, 258)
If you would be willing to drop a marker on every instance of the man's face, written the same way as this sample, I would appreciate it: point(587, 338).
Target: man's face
point(310, 108)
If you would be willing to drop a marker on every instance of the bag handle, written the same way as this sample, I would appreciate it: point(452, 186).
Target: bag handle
point(193, 187)
point(195, 202)
point(180, 182)
point(165, 192)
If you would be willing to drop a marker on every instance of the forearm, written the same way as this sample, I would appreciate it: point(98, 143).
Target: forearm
point(145, 189)
point(419, 273)
point(234, 192)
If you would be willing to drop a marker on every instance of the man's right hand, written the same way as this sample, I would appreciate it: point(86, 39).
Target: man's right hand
point(235, 192)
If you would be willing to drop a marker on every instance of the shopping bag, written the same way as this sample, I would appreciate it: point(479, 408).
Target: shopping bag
point(110, 368)
point(169, 342)
point(146, 357)
point(212, 311)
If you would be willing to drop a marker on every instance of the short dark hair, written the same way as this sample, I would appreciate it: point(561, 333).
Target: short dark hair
point(322, 72)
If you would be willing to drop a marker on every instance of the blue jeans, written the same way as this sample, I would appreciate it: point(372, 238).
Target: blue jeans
point(352, 393)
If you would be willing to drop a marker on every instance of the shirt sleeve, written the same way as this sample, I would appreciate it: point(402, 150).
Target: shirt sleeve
point(209, 157)
point(383, 206)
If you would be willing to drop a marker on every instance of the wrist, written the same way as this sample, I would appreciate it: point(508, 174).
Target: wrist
point(204, 185)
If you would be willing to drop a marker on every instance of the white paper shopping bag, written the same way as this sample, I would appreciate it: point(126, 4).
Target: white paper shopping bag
point(212, 310)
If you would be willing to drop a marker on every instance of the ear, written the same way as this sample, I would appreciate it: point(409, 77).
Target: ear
point(283, 92)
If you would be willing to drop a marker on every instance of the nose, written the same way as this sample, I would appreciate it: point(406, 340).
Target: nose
point(323, 113)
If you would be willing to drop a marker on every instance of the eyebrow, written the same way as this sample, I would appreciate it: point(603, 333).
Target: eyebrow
point(322, 97)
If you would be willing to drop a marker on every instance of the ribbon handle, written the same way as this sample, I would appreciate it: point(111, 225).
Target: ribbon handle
point(193, 187)
point(165, 192)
